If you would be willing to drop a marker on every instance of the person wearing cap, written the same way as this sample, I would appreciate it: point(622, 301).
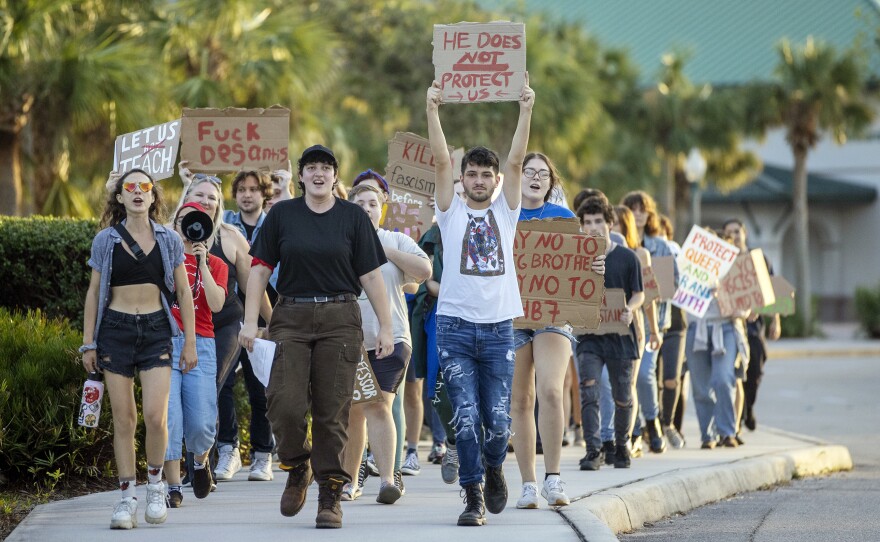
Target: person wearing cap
point(479, 298)
point(328, 251)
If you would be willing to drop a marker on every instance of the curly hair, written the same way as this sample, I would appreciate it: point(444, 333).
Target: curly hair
point(596, 205)
point(482, 157)
point(264, 182)
point(114, 210)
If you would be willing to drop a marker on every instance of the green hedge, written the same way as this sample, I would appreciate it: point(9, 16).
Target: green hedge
point(41, 381)
point(43, 265)
point(868, 309)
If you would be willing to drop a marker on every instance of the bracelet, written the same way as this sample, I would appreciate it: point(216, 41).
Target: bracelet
point(86, 347)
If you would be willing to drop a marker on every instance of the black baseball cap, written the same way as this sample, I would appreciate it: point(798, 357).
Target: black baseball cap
point(308, 156)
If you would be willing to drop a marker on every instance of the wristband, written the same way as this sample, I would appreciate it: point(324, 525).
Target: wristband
point(86, 347)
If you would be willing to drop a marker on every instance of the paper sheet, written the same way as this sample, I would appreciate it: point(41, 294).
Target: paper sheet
point(261, 359)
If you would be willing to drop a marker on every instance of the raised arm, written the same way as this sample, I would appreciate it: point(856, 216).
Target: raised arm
point(443, 187)
point(513, 167)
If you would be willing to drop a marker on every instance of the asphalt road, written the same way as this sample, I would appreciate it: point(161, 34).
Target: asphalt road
point(836, 400)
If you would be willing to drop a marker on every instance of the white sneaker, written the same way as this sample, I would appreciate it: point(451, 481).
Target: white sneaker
point(554, 491)
point(156, 510)
point(125, 514)
point(410, 465)
point(261, 468)
point(529, 497)
point(229, 462)
point(350, 492)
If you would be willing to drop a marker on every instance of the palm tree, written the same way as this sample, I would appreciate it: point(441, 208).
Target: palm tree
point(815, 90)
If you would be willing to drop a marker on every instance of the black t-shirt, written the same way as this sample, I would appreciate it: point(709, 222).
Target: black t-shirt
point(249, 231)
point(622, 270)
point(320, 254)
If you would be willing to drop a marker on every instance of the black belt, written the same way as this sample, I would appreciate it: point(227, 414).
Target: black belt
point(341, 298)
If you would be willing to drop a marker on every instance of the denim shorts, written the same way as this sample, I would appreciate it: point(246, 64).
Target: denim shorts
point(389, 370)
point(133, 342)
point(522, 337)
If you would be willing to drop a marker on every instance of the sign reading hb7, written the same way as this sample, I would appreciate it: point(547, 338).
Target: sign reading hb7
point(554, 270)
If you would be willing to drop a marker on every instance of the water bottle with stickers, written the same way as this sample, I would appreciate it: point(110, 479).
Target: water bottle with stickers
point(90, 407)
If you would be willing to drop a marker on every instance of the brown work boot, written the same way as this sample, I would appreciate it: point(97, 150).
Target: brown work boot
point(294, 496)
point(329, 511)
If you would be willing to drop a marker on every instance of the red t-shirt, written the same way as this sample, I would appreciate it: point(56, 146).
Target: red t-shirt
point(204, 318)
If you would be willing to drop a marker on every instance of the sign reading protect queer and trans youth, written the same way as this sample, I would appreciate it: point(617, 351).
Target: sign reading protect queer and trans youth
point(153, 150)
point(554, 269)
point(480, 62)
point(703, 261)
point(217, 140)
point(410, 175)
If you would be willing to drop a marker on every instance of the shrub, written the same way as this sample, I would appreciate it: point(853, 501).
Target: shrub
point(41, 382)
point(867, 302)
point(43, 265)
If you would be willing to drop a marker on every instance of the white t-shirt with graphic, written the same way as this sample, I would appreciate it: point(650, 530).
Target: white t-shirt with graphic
point(395, 280)
point(479, 275)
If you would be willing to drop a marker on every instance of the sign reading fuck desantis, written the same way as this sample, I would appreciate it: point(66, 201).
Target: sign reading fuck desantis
point(480, 62)
point(232, 139)
point(704, 260)
point(152, 149)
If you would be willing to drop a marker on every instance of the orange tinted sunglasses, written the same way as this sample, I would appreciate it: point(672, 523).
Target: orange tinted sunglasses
point(145, 186)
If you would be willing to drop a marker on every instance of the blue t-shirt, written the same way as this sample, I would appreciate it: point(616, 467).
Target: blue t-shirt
point(548, 210)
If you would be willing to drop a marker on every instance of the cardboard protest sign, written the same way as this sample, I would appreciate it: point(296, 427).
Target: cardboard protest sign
point(747, 285)
point(410, 175)
point(153, 150)
point(231, 139)
point(704, 260)
point(554, 271)
point(783, 292)
point(649, 283)
point(664, 272)
point(611, 313)
point(480, 62)
point(366, 387)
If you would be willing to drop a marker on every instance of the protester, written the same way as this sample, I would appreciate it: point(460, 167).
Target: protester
point(618, 352)
point(280, 187)
point(716, 345)
point(672, 356)
point(127, 296)
point(479, 298)
point(644, 210)
point(192, 402)
point(542, 355)
point(328, 251)
point(625, 226)
point(251, 190)
point(757, 329)
point(407, 263)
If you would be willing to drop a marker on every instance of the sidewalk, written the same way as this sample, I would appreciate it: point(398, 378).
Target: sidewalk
point(655, 486)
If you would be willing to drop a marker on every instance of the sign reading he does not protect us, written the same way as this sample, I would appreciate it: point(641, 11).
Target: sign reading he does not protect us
point(480, 62)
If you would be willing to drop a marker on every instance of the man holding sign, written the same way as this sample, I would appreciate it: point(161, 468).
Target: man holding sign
point(479, 298)
point(617, 351)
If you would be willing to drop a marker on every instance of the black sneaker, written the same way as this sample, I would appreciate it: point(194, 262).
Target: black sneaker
point(174, 498)
point(592, 460)
point(621, 457)
point(398, 481)
point(496, 490)
point(608, 450)
point(202, 481)
point(363, 474)
point(474, 514)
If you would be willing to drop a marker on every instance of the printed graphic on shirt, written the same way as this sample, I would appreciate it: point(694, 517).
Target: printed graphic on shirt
point(195, 280)
point(481, 252)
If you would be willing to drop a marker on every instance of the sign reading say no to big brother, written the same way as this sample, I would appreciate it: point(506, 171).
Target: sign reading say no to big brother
point(480, 62)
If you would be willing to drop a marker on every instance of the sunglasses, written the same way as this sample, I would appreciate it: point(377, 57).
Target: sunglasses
point(145, 186)
point(531, 173)
point(204, 177)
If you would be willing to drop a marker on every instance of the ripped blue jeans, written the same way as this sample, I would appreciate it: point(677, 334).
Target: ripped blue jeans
point(477, 363)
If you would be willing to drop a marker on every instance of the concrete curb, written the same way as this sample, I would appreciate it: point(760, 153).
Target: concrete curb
point(629, 507)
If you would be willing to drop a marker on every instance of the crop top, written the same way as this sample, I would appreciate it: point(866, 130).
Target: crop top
point(127, 271)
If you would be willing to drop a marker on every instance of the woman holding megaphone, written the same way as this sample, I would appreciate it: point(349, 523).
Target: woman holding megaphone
point(192, 403)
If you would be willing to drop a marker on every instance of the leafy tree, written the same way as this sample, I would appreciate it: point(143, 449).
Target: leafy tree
point(815, 90)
